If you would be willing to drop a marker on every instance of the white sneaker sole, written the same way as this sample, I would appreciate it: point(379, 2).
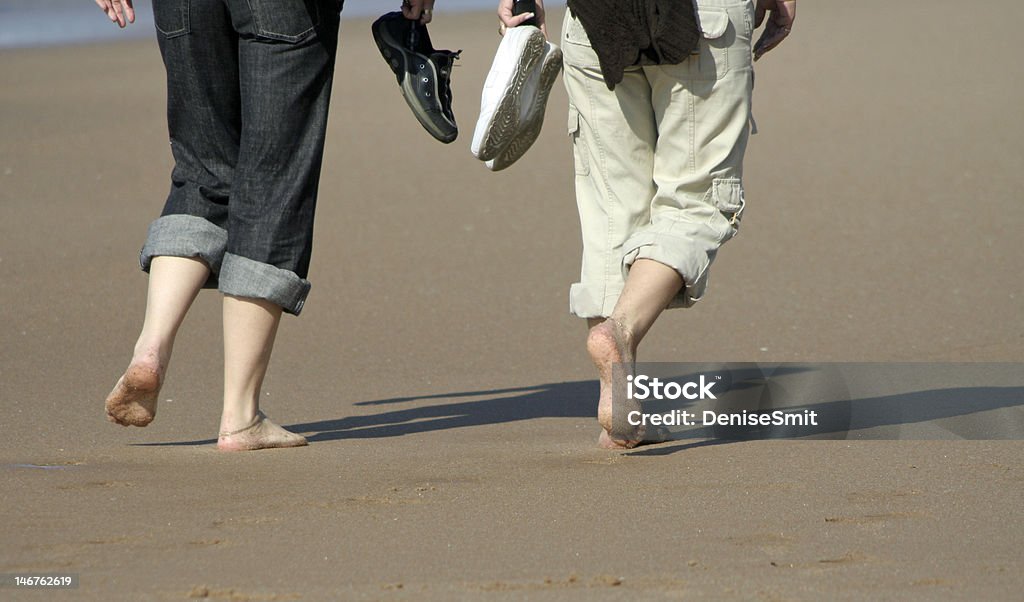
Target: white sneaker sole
point(534, 121)
point(495, 129)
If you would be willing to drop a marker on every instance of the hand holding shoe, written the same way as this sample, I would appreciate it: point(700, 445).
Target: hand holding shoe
point(780, 24)
point(418, 10)
point(507, 19)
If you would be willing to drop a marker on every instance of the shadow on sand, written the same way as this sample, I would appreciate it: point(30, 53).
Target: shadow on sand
point(578, 400)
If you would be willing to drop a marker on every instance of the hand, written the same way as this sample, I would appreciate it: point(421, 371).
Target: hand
point(780, 23)
point(120, 11)
point(418, 10)
point(508, 20)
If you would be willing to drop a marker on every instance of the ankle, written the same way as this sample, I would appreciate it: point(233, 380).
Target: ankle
point(623, 332)
point(242, 427)
point(237, 418)
point(151, 354)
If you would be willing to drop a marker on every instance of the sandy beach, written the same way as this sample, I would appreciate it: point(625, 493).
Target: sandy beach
point(442, 383)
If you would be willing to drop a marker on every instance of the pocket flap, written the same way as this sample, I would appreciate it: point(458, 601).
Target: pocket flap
point(713, 22)
point(727, 196)
point(574, 120)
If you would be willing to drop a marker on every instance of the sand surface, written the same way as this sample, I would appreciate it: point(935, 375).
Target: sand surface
point(442, 383)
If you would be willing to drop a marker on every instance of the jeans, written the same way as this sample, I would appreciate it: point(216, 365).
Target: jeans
point(248, 88)
point(659, 160)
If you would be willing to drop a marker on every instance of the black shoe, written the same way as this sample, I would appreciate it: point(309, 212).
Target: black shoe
point(423, 73)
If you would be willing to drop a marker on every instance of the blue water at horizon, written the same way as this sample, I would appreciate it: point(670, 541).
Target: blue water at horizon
point(37, 23)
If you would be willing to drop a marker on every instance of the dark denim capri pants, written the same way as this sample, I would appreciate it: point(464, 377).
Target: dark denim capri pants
point(248, 88)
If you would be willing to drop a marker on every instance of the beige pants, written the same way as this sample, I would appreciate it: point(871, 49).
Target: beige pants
point(659, 160)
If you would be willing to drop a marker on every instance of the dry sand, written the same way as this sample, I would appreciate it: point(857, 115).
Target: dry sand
point(444, 386)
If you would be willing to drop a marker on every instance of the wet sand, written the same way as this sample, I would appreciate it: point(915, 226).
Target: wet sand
point(441, 382)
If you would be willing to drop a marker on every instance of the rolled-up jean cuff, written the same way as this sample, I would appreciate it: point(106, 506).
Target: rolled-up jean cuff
point(689, 261)
point(184, 236)
point(244, 277)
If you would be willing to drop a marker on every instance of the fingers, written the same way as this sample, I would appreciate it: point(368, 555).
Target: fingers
point(769, 40)
point(412, 9)
point(418, 10)
point(517, 20)
point(118, 10)
point(772, 37)
point(778, 28)
point(505, 12)
point(427, 14)
point(108, 8)
point(507, 19)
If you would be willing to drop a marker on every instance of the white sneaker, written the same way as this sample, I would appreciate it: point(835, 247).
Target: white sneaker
point(519, 52)
point(531, 118)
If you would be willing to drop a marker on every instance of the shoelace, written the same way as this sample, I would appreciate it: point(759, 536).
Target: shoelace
point(445, 60)
point(446, 63)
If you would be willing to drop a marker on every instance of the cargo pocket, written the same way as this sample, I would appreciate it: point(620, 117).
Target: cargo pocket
point(579, 145)
point(171, 17)
point(714, 43)
point(285, 20)
point(726, 195)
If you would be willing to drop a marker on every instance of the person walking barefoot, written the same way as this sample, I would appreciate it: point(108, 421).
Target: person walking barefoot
point(248, 88)
point(250, 326)
point(659, 116)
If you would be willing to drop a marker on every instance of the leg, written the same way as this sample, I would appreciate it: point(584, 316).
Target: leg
point(204, 124)
point(704, 112)
point(614, 136)
point(174, 283)
point(286, 64)
point(250, 326)
point(649, 288)
point(185, 245)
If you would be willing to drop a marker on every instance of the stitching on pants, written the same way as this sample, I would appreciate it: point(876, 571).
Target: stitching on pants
point(186, 22)
point(602, 172)
point(692, 109)
point(315, 20)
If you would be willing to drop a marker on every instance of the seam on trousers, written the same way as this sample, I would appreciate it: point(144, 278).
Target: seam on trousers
point(602, 173)
point(692, 106)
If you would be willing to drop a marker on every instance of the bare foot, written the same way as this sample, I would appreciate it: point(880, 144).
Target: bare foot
point(611, 348)
point(651, 435)
point(605, 441)
point(133, 400)
point(261, 434)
